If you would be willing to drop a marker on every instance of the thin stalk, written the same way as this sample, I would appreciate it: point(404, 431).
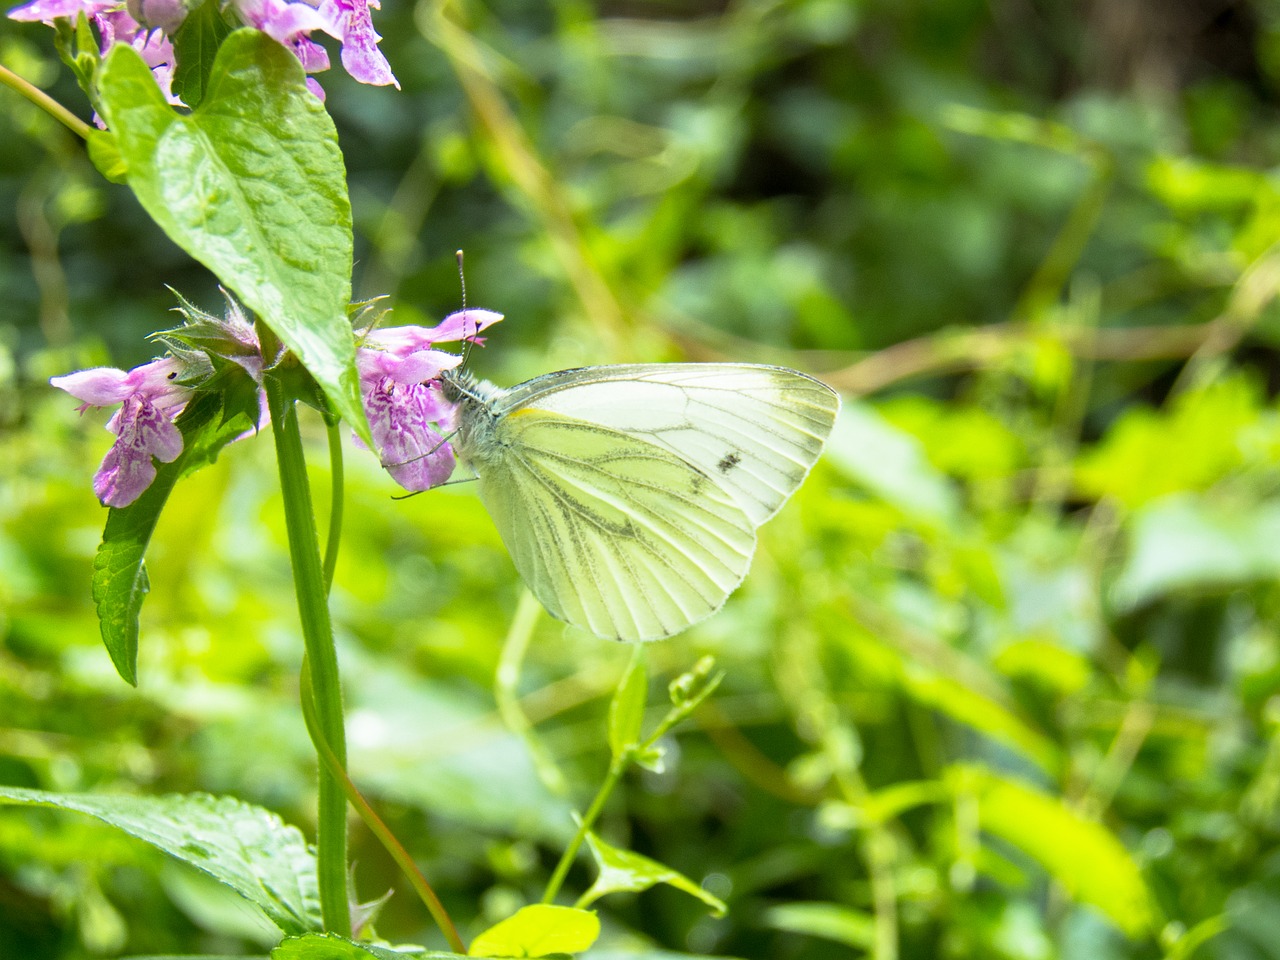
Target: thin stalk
point(507, 697)
point(27, 89)
point(317, 634)
point(589, 818)
point(375, 824)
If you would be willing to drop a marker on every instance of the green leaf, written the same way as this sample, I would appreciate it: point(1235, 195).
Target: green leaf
point(246, 847)
point(626, 709)
point(1082, 855)
point(252, 185)
point(104, 152)
point(330, 946)
point(195, 46)
point(830, 921)
point(120, 582)
point(538, 931)
point(622, 870)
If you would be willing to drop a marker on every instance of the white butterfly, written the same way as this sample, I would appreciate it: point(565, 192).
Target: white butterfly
point(629, 496)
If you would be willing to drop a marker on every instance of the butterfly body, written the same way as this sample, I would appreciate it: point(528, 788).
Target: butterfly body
point(629, 495)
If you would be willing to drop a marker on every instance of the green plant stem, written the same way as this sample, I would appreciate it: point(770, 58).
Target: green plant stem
point(336, 500)
point(589, 818)
point(46, 103)
point(375, 824)
point(317, 633)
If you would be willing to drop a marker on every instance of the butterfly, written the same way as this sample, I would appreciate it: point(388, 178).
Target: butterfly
point(629, 496)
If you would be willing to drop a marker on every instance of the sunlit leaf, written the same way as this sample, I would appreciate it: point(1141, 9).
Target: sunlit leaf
point(538, 930)
point(1082, 855)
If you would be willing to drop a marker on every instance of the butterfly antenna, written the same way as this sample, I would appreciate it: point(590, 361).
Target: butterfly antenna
point(466, 341)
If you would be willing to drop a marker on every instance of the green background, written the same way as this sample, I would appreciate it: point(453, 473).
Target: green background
point(1003, 680)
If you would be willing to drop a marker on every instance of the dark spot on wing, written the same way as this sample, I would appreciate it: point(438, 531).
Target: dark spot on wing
point(728, 462)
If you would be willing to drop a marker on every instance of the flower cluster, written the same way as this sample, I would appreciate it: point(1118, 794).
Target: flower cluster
point(152, 395)
point(148, 25)
point(400, 372)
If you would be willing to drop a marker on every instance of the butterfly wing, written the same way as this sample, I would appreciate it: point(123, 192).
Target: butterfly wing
point(756, 429)
point(611, 532)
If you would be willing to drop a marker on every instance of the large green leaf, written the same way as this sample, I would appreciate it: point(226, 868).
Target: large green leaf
point(251, 184)
point(248, 848)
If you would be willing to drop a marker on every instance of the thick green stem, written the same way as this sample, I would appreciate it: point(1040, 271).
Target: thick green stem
point(45, 103)
point(317, 634)
point(379, 829)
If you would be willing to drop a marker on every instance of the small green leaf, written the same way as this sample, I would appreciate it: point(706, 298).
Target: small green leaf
point(1082, 855)
point(195, 46)
point(624, 871)
point(830, 921)
point(626, 709)
point(120, 581)
point(538, 931)
point(248, 848)
point(267, 213)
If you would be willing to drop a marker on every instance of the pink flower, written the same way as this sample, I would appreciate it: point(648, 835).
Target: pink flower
point(400, 379)
point(143, 425)
point(148, 24)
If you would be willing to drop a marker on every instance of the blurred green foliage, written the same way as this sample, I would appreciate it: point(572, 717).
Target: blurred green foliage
point(1004, 681)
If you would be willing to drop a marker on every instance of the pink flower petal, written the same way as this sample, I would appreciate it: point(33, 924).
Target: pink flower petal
point(49, 10)
point(123, 477)
point(97, 387)
point(351, 22)
point(400, 418)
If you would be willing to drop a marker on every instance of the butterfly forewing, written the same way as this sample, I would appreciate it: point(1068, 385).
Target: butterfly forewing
point(611, 531)
point(755, 429)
